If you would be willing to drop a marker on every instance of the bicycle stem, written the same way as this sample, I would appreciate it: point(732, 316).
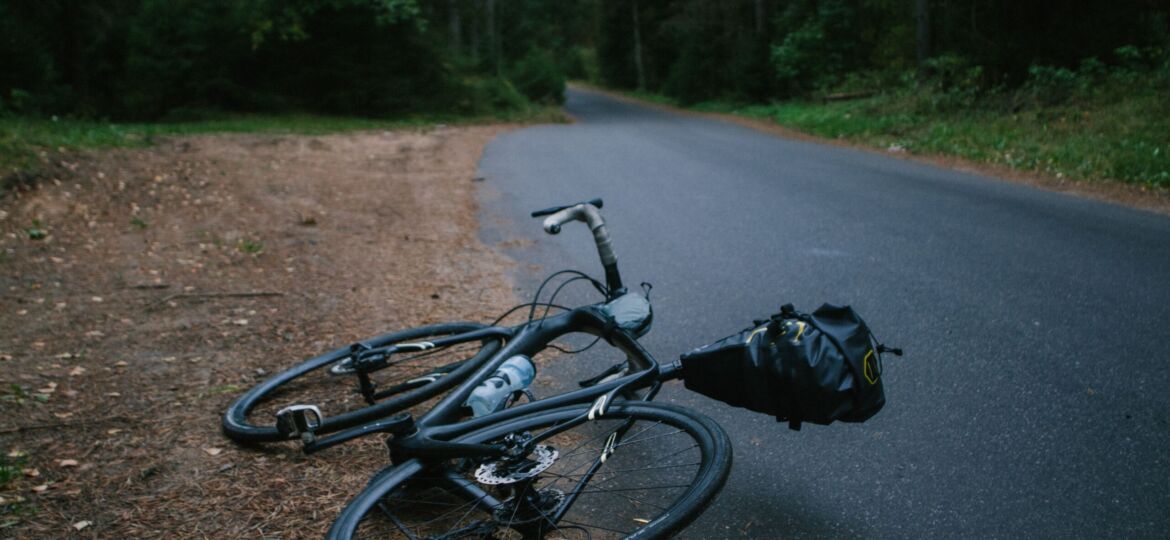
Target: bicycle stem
point(588, 214)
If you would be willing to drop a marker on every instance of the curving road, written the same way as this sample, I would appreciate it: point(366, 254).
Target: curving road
point(1034, 399)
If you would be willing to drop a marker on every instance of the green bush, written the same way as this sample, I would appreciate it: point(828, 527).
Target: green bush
point(490, 95)
point(538, 77)
point(953, 83)
point(581, 63)
point(817, 46)
point(1051, 85)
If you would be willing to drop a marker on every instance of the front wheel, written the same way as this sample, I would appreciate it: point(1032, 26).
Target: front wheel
point(329, 382)
point(642, 469)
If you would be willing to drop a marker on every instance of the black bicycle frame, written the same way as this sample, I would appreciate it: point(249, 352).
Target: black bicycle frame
point(428, 437)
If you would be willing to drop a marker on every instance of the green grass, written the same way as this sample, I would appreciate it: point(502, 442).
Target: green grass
point(1125, 140)
point(1121, 134)
point(23, 138)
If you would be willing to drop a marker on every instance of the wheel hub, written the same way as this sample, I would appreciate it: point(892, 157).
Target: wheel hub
point(534, 506)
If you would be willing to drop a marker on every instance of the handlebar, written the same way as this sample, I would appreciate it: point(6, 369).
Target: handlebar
point(587, 212)
point(554, 209)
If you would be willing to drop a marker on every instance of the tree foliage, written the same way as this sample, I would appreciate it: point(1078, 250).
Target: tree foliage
point(158, 58)
point(755, 50)
point(176, 58)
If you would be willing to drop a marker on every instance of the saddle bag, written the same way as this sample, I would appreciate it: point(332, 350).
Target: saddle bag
point(797, 367)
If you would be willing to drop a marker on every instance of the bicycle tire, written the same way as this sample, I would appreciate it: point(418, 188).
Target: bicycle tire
point(403, 499)
point(238, 423)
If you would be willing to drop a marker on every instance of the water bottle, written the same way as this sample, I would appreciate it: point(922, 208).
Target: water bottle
point(514, 375)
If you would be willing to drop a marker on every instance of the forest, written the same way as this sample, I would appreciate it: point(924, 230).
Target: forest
point(171, 60)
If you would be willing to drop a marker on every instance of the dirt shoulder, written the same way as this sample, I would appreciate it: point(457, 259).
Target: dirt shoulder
point(1156, 200)
point(172, 278)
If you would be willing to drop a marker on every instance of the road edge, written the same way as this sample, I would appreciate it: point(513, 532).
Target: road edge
point(1132, 196)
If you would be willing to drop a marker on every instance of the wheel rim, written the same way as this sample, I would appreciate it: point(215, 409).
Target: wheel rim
point(315, 383)
point(653, 466)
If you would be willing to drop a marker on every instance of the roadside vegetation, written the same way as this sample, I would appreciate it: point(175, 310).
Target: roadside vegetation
point(1079, 93)
point(25, 141)
point(1092, 123)
point(92, 73)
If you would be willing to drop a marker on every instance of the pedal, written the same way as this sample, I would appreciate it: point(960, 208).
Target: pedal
point(299, 421)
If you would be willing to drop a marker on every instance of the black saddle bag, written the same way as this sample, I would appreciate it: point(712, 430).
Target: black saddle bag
point(797, 367)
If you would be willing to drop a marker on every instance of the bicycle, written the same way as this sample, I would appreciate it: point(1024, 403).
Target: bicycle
point(553, 466)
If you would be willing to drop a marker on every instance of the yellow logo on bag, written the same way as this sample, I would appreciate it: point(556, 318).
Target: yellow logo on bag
point(869, 367)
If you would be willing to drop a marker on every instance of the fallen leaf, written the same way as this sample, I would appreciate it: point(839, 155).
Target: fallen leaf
point(63, 415)
point(64, 355)
point(114, 431)
point(95, 333)
point(121, 363)
point(32, 473)
point(17, 453)
point(78, 370)
point(213, 451)
point(240, 322)
point(5, 357)
point(113, 394)
point(67, 463)
point(96, 299)
point(82, 524)
point(41, 488)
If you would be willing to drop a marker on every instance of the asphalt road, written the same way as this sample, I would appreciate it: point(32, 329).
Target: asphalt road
point(1034, 399)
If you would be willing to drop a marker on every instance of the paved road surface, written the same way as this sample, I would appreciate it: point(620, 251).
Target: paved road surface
point(1035, 396)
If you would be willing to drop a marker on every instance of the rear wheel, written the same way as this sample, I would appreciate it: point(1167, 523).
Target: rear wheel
point(642, 468)
point(330, 382)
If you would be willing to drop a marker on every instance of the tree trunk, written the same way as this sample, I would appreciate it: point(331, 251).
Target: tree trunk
point(922, 15)
point(760, 16)
point(454, 26)
point(638, 49)
point(493, 36)
point(473, 37)
point(74, 64)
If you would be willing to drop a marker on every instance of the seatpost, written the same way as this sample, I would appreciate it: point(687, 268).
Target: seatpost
point(587, 212)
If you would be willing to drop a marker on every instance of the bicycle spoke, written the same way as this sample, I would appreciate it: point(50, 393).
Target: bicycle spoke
point(628, 442)
point(580, 524)
point(640, 468)
point(397, 522)
point(586, 491)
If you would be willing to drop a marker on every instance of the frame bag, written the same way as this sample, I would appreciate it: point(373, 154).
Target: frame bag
point(797, 367)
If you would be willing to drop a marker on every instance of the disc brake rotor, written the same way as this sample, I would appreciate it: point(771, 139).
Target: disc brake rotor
point(503, 472)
